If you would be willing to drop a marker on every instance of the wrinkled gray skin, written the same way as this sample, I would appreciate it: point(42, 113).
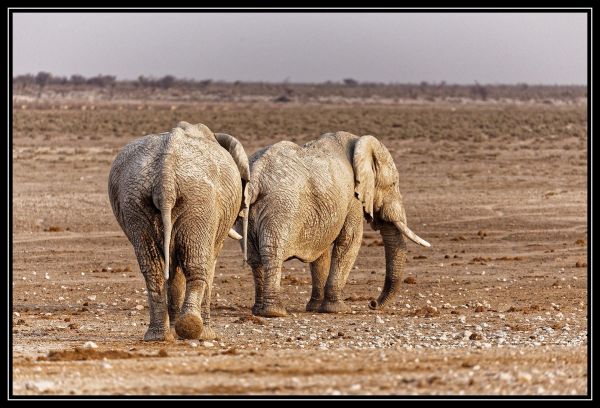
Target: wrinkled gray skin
point(176, 196)
point(309, 203)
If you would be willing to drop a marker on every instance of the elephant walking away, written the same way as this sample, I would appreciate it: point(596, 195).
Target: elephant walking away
point(176, 196)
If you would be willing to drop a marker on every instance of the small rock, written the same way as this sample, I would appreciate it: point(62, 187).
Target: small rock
point(193, 344)
point(106, 365)
point(523, 376)
point(410, 280)
point(208, 344)
point(90, 345)
point(92, 297)
point(139, 307)
point(379, 320)
point(43, 385)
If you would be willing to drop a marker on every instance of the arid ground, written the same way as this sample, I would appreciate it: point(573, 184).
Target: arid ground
point(497, 305)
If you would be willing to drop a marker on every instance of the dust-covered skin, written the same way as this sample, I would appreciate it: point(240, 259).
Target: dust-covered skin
point(497, 306)
point(176, 196)
point(307, 202)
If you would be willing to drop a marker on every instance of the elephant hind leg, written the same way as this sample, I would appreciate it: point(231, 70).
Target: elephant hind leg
point(151, 264)
point(176, 291)
point(208, 332)
point(345, 250)
point(319, 270)
point(258, 273)
point(197, 262)
point(271, 305)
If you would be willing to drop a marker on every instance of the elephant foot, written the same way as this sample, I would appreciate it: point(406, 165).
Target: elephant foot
point(153, 334)
point(313, 305)
point(208, 334)
point(189, 326)
point(270, 310)
point(334, 307)
point(256, 308)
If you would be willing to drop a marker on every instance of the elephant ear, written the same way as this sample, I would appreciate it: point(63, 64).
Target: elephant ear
point(364, 173)
point(236, 150)
point(374, 169)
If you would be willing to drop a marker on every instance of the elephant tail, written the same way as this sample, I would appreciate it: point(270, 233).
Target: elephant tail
point(167, 227)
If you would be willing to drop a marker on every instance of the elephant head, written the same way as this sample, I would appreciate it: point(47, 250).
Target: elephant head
point(236, 150)
point(377, 187)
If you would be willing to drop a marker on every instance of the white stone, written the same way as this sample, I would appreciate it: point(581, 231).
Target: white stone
point(90, 345)
point(42, 385)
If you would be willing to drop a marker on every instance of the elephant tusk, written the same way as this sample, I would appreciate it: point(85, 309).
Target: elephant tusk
point(233, 234)
point(411, 235)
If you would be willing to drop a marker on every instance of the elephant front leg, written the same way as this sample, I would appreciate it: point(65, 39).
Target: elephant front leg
point(344, 254)
point(319, 269)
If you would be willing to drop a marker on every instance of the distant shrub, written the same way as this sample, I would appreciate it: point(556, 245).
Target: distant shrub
point(166, 82)
point(102, 80)
point(77, 79)
point(479, 91)
point(350, 82)
point(42, 78)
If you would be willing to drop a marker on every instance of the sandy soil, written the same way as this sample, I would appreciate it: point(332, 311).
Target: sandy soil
point(498, 305)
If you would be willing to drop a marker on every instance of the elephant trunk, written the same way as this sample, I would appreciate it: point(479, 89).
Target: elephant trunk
point(395, 258)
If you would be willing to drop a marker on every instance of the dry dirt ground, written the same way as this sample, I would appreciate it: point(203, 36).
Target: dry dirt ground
point(497, 305)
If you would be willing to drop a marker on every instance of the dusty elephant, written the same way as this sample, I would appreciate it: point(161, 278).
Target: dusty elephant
point(308, 202)
point(176, 196)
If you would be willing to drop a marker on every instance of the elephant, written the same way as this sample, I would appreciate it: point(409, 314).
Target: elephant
point(176, 196)
point(308, 202)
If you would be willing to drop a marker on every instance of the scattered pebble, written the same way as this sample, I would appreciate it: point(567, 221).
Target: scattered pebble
point(41, 385)
point(90, 345)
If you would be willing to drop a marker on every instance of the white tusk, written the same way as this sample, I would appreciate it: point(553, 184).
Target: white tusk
point(233, 234)
point(411, 235)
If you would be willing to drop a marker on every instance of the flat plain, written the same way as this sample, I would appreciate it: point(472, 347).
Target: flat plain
point(497, 305)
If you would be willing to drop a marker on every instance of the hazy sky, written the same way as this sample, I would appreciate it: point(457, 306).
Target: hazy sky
point(549, 48)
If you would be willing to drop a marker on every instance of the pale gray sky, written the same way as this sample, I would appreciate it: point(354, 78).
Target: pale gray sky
point(547, 48)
